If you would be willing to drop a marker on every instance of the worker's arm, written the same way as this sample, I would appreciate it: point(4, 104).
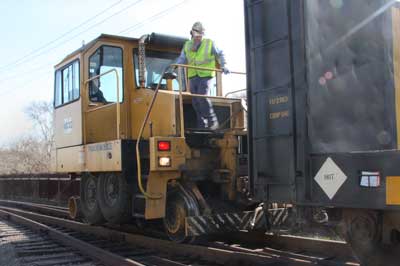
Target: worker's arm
point(219, 55)
point(182, 58)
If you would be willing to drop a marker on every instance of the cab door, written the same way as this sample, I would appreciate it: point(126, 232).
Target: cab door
point(68, 133)
point(68, 105)
point(100, 113)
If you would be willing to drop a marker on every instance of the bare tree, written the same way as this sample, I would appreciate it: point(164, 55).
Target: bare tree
point(32, 153)
point(27, 155)
point(41, 114)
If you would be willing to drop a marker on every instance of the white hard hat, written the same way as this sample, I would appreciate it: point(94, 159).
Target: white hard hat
point(197, 29)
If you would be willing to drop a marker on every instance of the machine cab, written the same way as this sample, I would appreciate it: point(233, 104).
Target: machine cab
point(127, 127)
point(103, 91)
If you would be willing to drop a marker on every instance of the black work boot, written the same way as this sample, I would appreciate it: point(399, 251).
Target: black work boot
point(212, 124)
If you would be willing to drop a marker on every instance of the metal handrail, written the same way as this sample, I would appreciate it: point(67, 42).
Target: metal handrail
point(182, 132)
point(232, 92)
point(139, 166)
point(118, 103)
point(207, 68)
point(181, 118)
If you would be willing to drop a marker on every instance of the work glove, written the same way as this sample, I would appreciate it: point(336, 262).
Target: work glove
point(172, 69)
point(225, 70)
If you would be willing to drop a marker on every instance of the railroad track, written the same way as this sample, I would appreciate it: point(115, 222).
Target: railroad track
point(23, 246)
point(211, 253)
point(304, 256)
point(319, 251)
point(56, 211)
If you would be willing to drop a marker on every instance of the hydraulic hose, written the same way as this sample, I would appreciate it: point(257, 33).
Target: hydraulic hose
point(146, 118)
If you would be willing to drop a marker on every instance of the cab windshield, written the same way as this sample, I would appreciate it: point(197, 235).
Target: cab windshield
point(156, 62)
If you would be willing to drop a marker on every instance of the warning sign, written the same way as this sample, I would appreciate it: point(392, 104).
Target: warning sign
point(330, 178)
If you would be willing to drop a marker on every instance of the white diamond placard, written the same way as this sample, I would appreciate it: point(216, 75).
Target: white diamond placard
point(330, 178)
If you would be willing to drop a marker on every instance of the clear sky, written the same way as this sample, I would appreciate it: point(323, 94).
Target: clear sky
point(37, 34)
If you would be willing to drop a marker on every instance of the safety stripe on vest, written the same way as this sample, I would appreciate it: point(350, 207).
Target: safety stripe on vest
point(207, 52)
point(200, 58)
point(206, 55)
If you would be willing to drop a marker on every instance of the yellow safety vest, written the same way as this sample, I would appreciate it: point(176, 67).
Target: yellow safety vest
point(203, 57)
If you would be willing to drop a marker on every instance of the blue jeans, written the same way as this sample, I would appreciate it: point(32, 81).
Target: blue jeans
point(202, 106)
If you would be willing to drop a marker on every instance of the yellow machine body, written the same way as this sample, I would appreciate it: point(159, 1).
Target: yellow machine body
point(90, 136)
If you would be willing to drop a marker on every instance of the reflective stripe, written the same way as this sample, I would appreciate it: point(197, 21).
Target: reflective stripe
point(197, 63)
point(189, 55)
point(206, 52)
point(203, 57)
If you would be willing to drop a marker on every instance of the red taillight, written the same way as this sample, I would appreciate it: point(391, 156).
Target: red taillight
point(164, 145)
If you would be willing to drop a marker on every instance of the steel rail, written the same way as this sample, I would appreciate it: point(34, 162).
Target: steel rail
point(314, 259)
point(333, 248)
point(211, 254)
point(274, 245)
point(33, 248)
point(48, 210)
point(278, 244)
point(96, 253)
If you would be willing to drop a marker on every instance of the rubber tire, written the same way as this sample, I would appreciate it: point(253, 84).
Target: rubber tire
point(177, 197)
point(93, 214)
point(121, 211)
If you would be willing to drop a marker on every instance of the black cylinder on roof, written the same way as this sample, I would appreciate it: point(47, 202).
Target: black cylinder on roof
point(166, 41)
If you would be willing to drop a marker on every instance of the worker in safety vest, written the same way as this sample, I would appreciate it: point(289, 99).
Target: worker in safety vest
point(203, 53)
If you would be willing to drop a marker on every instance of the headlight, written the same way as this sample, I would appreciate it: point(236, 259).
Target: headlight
point(164, 161)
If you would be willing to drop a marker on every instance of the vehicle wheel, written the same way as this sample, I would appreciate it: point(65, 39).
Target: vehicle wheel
point(364, 236)
point(89, 204)
point(179, 206)
point(74, 208)
point(114, 198)
point(362, 228)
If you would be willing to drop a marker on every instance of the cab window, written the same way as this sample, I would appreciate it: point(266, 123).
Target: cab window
point(66, 84)
point(104, 89)
point(156, 62)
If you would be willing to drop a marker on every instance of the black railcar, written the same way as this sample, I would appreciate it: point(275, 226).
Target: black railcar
point(324, 108)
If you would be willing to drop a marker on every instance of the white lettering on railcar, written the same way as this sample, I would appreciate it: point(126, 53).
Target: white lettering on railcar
point(67, 125)
point(100, 147)
point(81, 157)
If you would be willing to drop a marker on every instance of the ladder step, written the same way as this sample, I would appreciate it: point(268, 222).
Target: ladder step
point(223, 171)
point(139, 196)
point(138, 205)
